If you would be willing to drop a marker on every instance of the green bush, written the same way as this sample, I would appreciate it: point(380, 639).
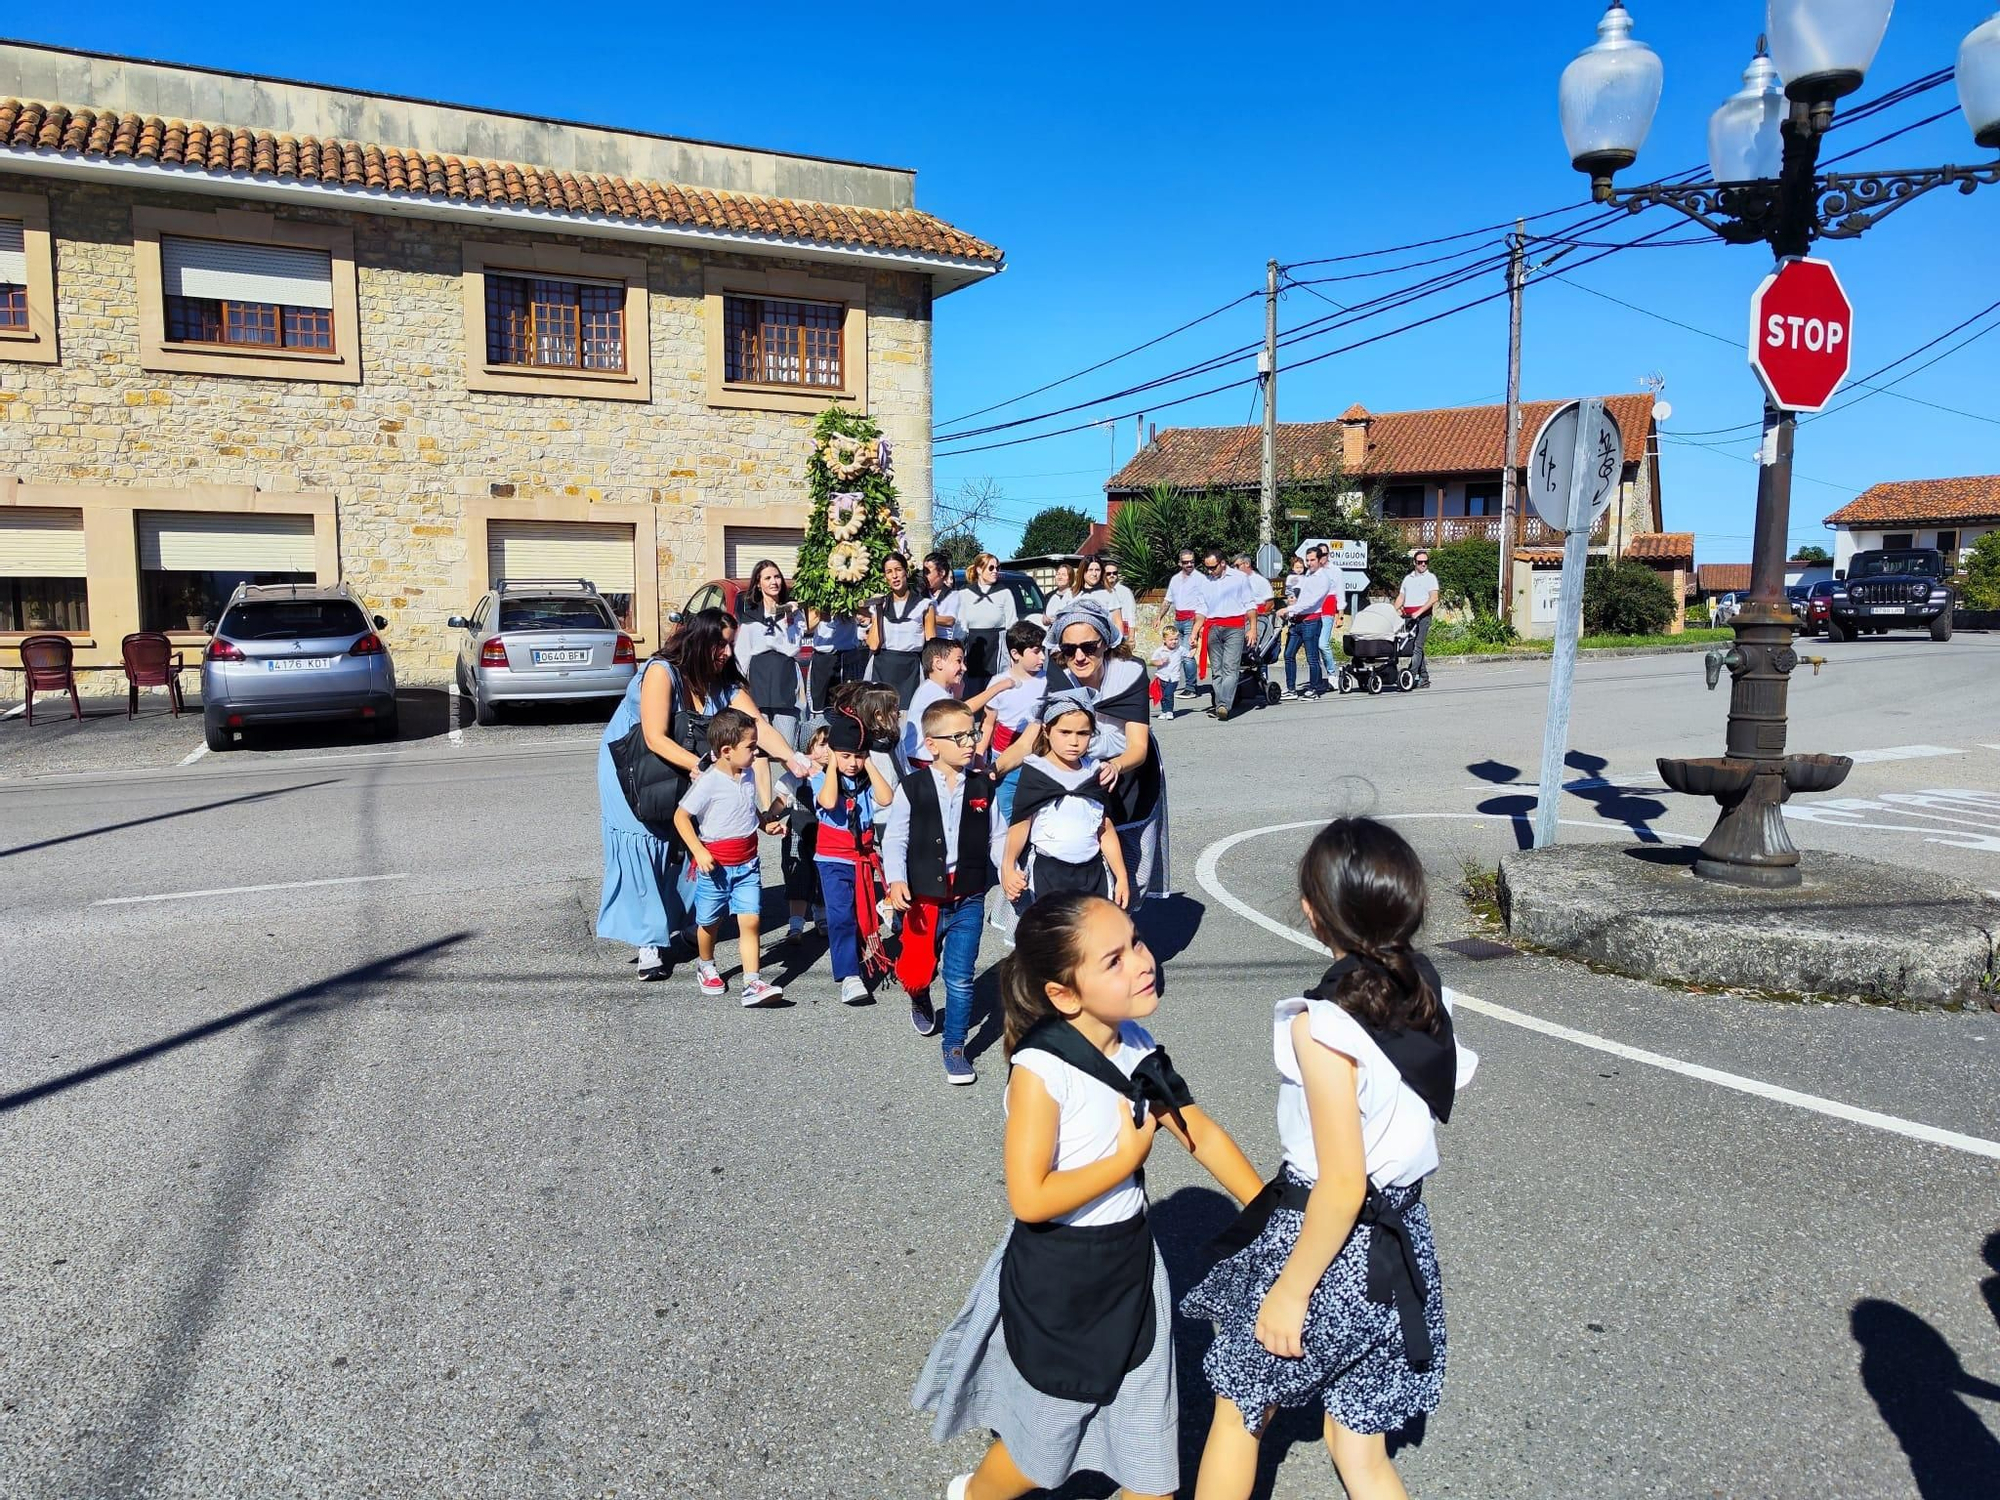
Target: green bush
point(1468, 573)
point(1982, 573)
point(1489, 630)
point(1625, 598)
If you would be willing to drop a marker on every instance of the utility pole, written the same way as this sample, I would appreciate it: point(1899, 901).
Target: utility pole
point(1509, 490)
point(1267, 373)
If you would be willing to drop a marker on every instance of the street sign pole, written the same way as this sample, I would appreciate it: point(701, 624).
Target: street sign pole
point(1575, 480)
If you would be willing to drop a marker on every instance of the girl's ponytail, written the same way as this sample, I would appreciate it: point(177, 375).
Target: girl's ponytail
point(1047, 945)
point(1364, 885)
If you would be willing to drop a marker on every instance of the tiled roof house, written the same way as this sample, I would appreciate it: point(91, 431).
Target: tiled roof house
point(1949, 514)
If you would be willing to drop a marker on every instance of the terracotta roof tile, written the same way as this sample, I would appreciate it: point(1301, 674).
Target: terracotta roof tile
point(1539, 557)
point(197, 146)
point(1924, 502)
point(1723, 578)
point(1453, 440)
point(1661, 546)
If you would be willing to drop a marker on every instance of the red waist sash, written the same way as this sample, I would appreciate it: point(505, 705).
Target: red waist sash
point(733, 852)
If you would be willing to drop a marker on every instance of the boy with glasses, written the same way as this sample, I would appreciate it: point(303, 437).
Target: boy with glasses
point(937, 859)
point(1418, 598)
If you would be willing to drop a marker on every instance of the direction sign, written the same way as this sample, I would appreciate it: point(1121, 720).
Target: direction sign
point(1801, 334)
point(1554, 451)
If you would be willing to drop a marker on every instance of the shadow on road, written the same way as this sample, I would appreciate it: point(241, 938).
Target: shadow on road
point(1614, 804)
point(1919, 1385)
point(344, 987)
point(179, 812)
point(421, 714)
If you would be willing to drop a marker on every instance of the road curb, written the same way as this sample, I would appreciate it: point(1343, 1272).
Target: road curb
point(1608, 652)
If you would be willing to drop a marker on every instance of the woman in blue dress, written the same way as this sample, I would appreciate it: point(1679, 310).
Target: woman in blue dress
point(692, 677)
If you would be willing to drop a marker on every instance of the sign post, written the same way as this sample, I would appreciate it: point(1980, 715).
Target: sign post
point(1573, 472)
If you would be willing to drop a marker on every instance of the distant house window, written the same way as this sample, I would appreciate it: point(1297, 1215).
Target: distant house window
point(1896, 541)
point(254, 296)
point(538, 323)
point(1948, 545)
point(767, 341)
point(13, 274)
point(1403, 502)
point(1482, 499)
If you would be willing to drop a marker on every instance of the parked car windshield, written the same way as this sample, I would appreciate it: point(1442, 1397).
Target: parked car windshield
point(564, 613)
point(1896, 565)
point(290, 619)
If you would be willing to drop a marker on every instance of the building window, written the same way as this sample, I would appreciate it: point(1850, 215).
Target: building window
point(1898, 541)
point(767, 341)
point(27, 280)
point(260, 296)
point(13, 274)
point(42, 570)
point(1403, 502)
point(1948, 545)
point(190, 562)
point(544, 324)
point(1482, 499)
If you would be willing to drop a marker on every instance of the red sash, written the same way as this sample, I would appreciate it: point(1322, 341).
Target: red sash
point(1003, 736)
point(839, 843)
point(733, 852)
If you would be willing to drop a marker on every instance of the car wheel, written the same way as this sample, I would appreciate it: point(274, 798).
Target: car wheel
point(1835, 631)
point(484, 714)
point(1941, 627)
point(218, 736)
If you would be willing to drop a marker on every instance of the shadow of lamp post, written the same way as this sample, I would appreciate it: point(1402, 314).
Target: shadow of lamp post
point(1764, 145)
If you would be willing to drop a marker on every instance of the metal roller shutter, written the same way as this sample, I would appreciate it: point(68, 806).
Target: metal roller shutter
point(41, 543)
point(743, 547)
point(231, 272)
point(13, 253)
point(600, 551)
point(225, 542)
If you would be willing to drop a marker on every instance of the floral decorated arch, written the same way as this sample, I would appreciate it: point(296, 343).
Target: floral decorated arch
point(855, 522)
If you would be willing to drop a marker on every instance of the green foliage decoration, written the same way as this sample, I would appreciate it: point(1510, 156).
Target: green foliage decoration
point(1054, 531)
point(881, 522)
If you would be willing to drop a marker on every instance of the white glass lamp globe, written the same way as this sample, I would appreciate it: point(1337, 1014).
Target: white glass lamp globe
point(1745, 143)
point(1822, 48)
point(1979, 82)
point(1609, 95)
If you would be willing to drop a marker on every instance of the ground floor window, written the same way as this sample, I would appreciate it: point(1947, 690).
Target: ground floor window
point(42, 570)
point(191, 561)
point(1897, 541)
point(1948, 545)
point(43, 604)
point(600, 553)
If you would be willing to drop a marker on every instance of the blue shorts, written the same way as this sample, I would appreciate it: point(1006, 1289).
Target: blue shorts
point(738, 889)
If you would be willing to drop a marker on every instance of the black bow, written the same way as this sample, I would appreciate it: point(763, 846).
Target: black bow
point(1156, 1086)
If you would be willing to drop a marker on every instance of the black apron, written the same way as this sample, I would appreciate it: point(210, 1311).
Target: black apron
point(1428, 1063)
point(1049, 876)
point(1076, 1301)
point(773, 675)
point(901, 670)
point(1137, 792)
point(985, 649)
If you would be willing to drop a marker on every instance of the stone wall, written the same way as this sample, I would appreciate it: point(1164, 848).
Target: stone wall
point(409, 447)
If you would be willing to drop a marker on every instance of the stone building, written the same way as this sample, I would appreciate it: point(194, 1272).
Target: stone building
point(260, 330)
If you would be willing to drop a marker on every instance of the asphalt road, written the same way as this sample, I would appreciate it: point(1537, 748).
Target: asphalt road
point(402, 1186)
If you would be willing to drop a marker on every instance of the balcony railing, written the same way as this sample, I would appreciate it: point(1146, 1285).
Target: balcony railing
point(1435, 531)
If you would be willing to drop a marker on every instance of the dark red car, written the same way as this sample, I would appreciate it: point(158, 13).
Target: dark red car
point(1812, 619)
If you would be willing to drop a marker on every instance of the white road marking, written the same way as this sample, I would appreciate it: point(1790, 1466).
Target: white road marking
point(20, 708)
point(195, 754)
point(1206, 875)
point(1899, 752)
point(244, 890)
point(456, 735)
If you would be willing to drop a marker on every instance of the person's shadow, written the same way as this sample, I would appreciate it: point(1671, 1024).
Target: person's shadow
point(1919, 1385)
point(1614, 804)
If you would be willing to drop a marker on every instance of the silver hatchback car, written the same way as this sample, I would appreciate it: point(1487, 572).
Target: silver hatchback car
point(291, 653)
point(541, 640)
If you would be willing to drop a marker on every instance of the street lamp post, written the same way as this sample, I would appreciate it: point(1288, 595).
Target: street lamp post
point(1764, 145)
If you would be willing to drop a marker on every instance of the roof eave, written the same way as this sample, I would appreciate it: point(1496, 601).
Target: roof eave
point(948, 273)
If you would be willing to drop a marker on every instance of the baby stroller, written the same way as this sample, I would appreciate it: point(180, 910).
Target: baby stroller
point(1261, 646)
point(1372, 662)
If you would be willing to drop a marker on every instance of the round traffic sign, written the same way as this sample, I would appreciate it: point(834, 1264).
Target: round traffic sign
point(1801, 334)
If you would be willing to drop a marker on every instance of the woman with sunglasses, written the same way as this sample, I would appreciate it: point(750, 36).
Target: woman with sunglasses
point(1081, 641)
point(899, 622)
point(985, 609)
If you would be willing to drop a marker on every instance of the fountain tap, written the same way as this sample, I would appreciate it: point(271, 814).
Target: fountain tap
point(1717, 659)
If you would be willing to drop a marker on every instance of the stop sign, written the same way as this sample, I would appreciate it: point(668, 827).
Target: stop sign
point(1801, 327)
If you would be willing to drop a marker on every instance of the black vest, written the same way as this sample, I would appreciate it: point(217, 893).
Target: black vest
point(927, 864)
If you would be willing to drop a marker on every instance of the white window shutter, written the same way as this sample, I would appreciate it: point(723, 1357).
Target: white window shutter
point(37, 543)
point(13, 253)
point(225, 542)
point(228, 272)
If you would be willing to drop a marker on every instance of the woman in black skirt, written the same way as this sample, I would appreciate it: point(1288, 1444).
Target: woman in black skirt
point(985, 609)
point(899, 622)
point(1329, 1290)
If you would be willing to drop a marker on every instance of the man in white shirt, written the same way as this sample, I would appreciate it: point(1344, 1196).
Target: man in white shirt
point(1124, 606)
point(1229, 599)
point(1182, 608)
point(1418, 599)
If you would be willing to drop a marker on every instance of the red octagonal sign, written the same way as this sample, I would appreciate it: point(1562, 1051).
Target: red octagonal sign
point(1801, 334)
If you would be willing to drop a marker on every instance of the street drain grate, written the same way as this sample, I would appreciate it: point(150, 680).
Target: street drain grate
point(1479, 948)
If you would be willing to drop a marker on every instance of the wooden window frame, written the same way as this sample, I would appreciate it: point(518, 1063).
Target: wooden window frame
point(340, 365)
point(280, 318)
point(721, 283)
point(758, 328)
point(36, 343)
point(577, 333)
point(553, 262)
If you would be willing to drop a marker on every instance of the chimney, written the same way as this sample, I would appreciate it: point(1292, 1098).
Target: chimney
point(1152, 433)
point(1354, 438)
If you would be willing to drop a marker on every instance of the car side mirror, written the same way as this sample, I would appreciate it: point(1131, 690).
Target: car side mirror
point(457, 622)
point(675, 617)
point(208, 627)
point(1840, 575)
point(380, 623)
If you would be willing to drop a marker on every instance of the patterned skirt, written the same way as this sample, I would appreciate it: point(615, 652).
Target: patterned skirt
point(1353, 1361)
point(972, 1385)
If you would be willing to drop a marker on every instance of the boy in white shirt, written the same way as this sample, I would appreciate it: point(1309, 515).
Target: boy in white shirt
point(718, 820)
point(944, 667)
point(1166, 662)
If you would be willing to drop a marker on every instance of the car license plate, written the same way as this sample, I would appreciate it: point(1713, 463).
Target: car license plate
point(560, 658)
point(1890, 609)
point(298, 663)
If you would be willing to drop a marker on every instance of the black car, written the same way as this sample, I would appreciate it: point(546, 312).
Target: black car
point(1891, 589)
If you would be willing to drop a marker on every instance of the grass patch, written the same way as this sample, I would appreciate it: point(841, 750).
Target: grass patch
point(1446, 640)
point(1479, 884)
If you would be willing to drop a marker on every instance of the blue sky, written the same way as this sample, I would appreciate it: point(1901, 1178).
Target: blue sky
point(1140, 164)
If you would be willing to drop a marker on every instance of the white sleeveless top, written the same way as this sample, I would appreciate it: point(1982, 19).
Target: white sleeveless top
point(1087, 1124)
point(1398, 1135)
